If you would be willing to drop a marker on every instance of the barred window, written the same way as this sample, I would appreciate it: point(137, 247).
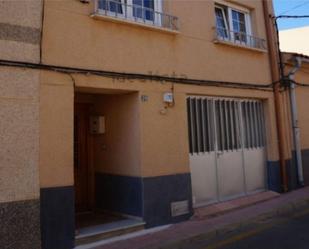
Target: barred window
point(225, 123)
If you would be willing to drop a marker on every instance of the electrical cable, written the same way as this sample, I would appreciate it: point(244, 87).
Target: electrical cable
point(281, 64)
point(111, 74)
point(300, 83)
point(119, 75)
point(289, 16)
point(295, 7)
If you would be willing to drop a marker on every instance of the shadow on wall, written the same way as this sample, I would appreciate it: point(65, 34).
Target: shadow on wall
point(149, 198)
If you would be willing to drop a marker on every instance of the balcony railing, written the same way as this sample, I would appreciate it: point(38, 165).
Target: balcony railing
point(239, 38)
point(137, 14)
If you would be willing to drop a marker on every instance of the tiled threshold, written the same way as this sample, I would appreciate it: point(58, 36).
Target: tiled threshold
point(228, 206)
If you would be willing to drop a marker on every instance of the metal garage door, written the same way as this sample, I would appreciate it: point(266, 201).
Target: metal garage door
point(227, 148)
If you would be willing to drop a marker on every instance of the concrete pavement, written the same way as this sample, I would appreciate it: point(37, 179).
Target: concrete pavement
point(285, 232)
point(188, 233)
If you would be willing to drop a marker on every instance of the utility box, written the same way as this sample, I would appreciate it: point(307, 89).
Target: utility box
point(168, 97)
point(97, 124)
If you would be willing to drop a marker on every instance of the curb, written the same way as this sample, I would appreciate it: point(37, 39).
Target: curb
point(198, 217)
point(288, 209)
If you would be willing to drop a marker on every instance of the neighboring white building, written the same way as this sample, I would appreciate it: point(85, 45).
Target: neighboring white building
point(295, 40)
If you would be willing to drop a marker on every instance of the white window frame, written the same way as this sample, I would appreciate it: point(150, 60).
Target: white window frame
point(156, 17)
point(225, 21)
point(108, 12)
point(247, 25)
point(157, 4)
point(246, 12)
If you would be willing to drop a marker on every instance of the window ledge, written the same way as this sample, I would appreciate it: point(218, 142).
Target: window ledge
point(242, 46)
point(98, 16)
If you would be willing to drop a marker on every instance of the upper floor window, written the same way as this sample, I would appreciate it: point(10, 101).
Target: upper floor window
point(234, 25)
point(239, 25)
point(111, 6)
point(145, 9)
point(221, 22)
point(148, 12)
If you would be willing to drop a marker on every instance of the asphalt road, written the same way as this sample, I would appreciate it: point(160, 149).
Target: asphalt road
point(284, 233)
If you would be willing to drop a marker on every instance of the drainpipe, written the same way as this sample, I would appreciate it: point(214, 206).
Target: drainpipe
point(273, 52)
point(296, 129)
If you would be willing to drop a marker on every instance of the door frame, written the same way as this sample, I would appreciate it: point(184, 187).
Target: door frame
point(90, 159)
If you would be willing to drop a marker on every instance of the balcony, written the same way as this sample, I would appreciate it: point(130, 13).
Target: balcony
point(239, 39)
point(122, 11)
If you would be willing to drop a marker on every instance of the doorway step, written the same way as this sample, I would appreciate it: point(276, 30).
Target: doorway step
point(95, 233)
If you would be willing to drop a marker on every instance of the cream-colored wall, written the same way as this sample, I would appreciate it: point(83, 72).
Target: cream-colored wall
point(118, 151)
point(302, 97)
point(164, 138)
point(295, 40)
point(72, 38)
point(157, 144)
point(164, 134)
point(19, 135)
point(56, 130)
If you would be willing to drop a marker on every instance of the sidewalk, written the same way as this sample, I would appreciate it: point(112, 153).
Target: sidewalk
point(205, 226)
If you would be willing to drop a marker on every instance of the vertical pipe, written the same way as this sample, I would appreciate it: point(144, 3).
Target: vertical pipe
point(274, 54)
point(296, 135)
point(295, 127)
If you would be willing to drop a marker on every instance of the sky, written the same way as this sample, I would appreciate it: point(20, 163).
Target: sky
point(291, 7)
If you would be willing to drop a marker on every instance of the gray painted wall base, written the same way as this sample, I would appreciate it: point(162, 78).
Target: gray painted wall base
point(149, 197)
point(273, 170)
point(57, 217)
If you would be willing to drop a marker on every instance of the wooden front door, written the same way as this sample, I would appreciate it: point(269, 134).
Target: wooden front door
point(82, 159)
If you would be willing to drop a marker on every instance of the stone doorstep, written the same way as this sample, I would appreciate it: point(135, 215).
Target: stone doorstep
point(231, 205)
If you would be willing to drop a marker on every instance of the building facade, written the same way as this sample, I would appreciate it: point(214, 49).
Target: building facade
point(295, 97)
point(143, 109)
point(20, 36)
